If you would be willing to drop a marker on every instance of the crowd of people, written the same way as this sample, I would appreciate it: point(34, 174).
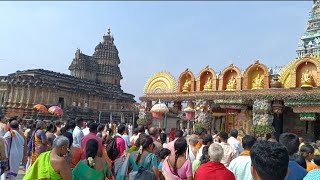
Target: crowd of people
point(85, 150)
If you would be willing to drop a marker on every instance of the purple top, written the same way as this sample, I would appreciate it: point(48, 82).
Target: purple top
point(39, 147)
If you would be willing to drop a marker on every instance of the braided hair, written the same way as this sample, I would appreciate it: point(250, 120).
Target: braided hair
point(91, 151)
point(205, 155)
point(144, 142)
point(180, 147)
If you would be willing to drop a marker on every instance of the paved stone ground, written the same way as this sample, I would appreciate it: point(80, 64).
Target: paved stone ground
point(21, 173)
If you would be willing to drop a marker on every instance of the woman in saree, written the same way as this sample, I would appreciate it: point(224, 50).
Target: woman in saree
point(50, 135)
point(93, 167)
point(38, 142)
point(176, 166)
point(52, 164)
point(143, 157)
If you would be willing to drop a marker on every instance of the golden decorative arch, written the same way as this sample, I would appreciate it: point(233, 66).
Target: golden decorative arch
point(256, 76)
point(207, 80)
point(186, 82)
point(161, 82)
point(229, 74)
point(290, 76)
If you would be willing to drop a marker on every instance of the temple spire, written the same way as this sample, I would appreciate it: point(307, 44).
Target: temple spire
point(108, 37)
point(310, 43)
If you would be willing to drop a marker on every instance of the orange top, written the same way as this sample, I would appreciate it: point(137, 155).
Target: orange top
point(199, 144)
point(75, 156)
point(311, 166)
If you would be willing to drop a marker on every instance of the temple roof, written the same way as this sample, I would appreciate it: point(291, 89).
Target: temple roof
point(107, 49)
point(46, 78)
point(104, 62)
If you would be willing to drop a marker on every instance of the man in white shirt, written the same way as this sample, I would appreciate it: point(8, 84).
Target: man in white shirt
point(241, 166)
point(229, 151)
point(77, 133)
point(234, 142)
point(207, 141)
point(86, 130)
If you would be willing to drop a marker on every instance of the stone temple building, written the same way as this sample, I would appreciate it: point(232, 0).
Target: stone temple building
point(92, 91)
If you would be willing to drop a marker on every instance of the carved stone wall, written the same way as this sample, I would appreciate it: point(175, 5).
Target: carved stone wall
point(19, 92)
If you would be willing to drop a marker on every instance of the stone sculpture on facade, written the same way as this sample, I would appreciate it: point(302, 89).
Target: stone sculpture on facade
point(257, 82)
point(232, 84)
point(208, 85)
point(187, 85)
point(306, 79)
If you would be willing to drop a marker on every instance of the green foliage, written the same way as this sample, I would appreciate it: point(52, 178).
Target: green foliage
point(261, 130)
point(142, 122)
point(201, 124)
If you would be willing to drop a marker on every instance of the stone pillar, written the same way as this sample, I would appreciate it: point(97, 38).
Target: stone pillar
point(29, 96)
point(48, 96)
point(310, 130)
point(122, 118)
point(278, 125)
point(35, 95)
point(15, 96)
point(23, 96)
point(261, 114)
point(133, 117)
point(42, 95)
point(19, 95)
point(111, 120)
point(10, 99)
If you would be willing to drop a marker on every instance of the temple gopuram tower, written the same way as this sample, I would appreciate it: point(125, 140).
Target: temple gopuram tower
point(102, 66)
point(310, 41)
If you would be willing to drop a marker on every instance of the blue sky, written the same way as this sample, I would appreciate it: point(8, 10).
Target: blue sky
point(151, 36)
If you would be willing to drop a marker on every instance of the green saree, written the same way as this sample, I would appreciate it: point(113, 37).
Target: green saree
point(42, 169)
point(83, 172)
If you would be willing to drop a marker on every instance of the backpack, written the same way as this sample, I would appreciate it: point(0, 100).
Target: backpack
point(112, 148)
point(145, 173)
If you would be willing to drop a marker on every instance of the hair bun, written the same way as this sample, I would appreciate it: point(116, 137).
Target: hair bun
point(91, 162)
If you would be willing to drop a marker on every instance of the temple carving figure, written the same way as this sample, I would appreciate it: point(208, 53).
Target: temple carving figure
point(306, 79)
point(208, 85)
point(232, 84)
point(257, 82)
point(186, 86)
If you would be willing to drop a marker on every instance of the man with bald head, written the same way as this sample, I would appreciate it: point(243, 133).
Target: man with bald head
point(154, 133)
point(16, 149)
point(192, 150)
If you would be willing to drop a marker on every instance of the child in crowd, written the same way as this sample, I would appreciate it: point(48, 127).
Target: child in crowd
point(164, 152)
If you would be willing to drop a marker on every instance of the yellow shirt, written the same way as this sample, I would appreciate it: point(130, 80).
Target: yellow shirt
point(316, 152)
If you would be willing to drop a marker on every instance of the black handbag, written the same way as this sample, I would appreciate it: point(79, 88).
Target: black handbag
point(4, 166)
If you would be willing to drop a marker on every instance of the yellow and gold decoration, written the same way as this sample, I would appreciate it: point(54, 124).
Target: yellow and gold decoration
point(161, 82)
point(306, 79)
point(232, 84)
point(257, 82)
point(295, 74)
point(187, 85)
point(206, 80)
point(208, 85)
